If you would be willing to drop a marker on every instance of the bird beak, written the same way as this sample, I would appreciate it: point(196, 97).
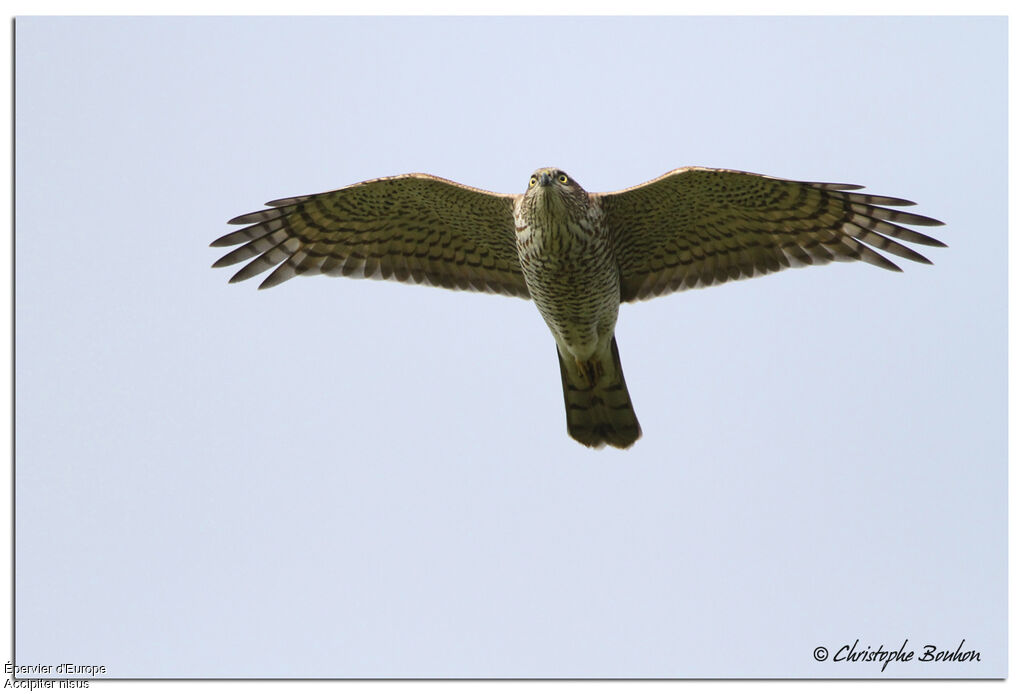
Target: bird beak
point(545, 179)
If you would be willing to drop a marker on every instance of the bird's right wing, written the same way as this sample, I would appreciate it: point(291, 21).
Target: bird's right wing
point(411, 228)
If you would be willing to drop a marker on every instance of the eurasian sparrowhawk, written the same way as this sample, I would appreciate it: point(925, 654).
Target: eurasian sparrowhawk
point(578, 255)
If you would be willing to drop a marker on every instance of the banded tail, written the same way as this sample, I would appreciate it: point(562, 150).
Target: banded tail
point(597, 405)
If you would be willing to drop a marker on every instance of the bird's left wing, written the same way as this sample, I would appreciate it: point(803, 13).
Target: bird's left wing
point(411, 228)
point(696, 227)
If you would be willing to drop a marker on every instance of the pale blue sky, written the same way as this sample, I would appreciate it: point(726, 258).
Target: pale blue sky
point(340, 478)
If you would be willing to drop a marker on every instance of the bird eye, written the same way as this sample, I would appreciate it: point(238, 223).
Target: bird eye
point(533, 181)
point(562, 178)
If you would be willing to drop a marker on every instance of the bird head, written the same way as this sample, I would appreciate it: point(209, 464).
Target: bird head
point(553, 187)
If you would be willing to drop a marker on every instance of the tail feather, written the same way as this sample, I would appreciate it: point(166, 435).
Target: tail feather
point(599, 412)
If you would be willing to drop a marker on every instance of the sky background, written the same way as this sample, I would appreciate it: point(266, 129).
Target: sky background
point(340, 478)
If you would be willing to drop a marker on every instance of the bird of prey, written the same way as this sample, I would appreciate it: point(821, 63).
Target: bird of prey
point(577, 255)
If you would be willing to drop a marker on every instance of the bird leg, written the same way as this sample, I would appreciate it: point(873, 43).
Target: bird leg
point(590, 370)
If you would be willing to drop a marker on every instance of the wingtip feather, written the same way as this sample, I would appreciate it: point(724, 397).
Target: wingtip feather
point(223, 241)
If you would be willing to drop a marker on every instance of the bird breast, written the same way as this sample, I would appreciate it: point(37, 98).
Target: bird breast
point(550, 227)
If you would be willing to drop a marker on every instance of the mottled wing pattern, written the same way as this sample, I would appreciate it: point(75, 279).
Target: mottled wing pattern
point(696, 227)
point(412, 228)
